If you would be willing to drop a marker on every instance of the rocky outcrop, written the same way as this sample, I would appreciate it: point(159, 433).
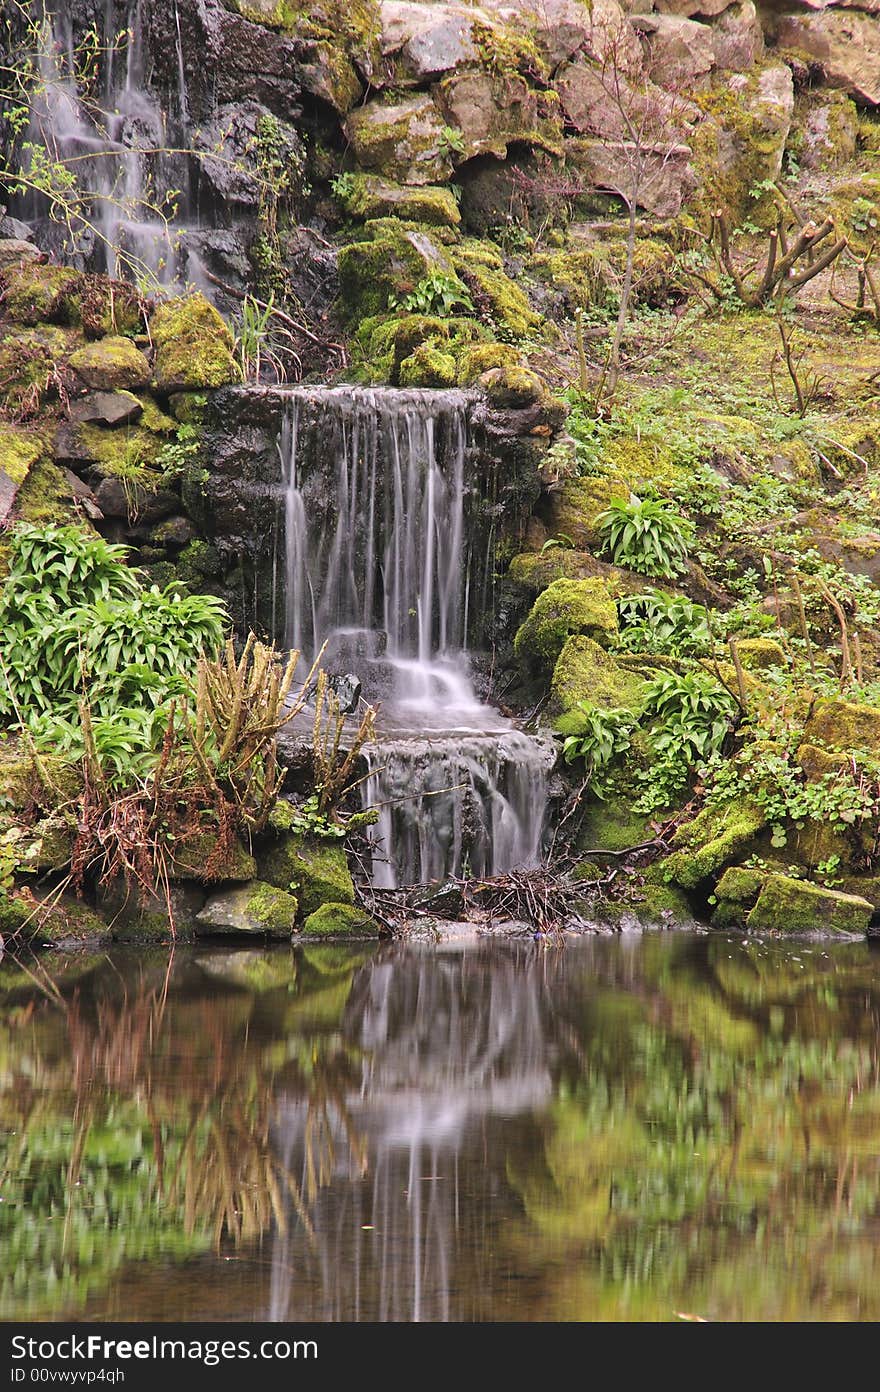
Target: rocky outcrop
point(845, 46)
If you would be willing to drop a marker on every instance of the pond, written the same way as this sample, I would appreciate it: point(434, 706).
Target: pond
point(635, 1128)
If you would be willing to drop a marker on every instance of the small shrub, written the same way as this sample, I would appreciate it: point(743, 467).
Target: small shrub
point(646, 535)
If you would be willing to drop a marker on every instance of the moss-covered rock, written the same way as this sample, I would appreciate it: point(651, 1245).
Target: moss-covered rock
point(366, 196)
point(786, 905)
point(611, 826)
point(494, 292)
point(384, 265)
point(586, 672)
point(206, 858)
point(27, 358)
point(757, 654)
point(19, 452)
point(340, 921)
point(565, 608)
point(427, 367)
point(194, 347)
point(402, 139)
point(25, 785)
point(111, 364)
point(315, 870)
point(513, 386)
point(256, 909)
point(482, 357)
point(711, 841)
point(35, 293)
point(844, 725)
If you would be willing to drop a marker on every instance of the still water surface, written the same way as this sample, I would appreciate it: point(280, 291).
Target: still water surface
point(634, 1128)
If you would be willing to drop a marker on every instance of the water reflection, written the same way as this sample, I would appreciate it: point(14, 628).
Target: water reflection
point(622, 1129)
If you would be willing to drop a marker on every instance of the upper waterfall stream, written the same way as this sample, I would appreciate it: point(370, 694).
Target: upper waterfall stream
point(379, 559)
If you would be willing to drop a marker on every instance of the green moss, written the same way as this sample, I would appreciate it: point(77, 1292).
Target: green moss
point(386, 264)
point(513, 386)
point(19, 451)
point(817, 762)
point(740, 884)
point(44, 497)
point(367, 196)
point(534, 570)
point(201, 857)
point(154, 418)
point(199, 561)
point(111, 364)
point(495, 293)
point(71, 921)
point(126, 452)
point(786, 905)
point(188, 407)
point(611, 826)
point(193, 346)
point(427, 367)
point(577, 503)
point(340, 921)
point(844, 725)
point(35, 294)
point(317, 871)
point(271, 908)
point(480, 358)
point(565, 608)
point(666, 904)
point(714, 838)
point(27, 358)
point(757, 654)
point(389, 343)
point(853, 445)
point(586, 672)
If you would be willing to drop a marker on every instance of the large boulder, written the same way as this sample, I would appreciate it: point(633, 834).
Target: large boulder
point(231, 147)
point(830, 130)
point(254, 910)
point(844, 725)
point(403, 139)
point(565, 608)
point(786, 905)
point(584, 671)
point(423, 40)
point(111, 364)
point(316, 871)
point(193, 346)
point(680, 49)
point(846, 46)
point(737, 38)
point(491, 111)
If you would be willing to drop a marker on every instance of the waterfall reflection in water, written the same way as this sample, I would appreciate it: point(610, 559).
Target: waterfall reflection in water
point(616, 1130)
point(453, 1047)
point(379, 527)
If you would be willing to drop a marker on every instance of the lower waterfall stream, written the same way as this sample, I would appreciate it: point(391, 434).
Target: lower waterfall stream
point(379, 561)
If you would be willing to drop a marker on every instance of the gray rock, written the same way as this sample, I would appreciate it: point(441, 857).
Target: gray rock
point(738, 38)
point(668, 182)
point(11, 227)
point(227, 150)
point(133, 502)
point(14, 250)
point(404, 140)
point(426, 39)
point(106, 408)
point(254, 910)
point(678, 48)
point(845, 45)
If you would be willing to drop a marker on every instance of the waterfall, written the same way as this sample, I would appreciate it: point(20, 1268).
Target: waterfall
point(120, 150)
point(379, 496)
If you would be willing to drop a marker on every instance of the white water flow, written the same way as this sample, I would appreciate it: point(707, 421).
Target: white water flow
point(119, 149)
point(377, 498)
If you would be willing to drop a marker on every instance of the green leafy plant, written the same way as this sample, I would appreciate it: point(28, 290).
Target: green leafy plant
point(657, 622)
point(646, 535)
point(436, 293)
point(689, 716)
point(604, 737)
point(451, 142)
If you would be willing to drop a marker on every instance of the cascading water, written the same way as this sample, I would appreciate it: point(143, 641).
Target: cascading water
point(131, 181)
point(378, 556)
